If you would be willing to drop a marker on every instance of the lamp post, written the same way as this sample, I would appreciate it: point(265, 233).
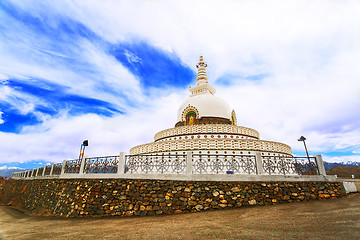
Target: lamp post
point(82, 149)
point(302, 139)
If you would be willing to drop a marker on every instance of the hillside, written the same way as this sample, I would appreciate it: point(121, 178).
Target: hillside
point(7, 171)
point(344, 172)
point(2, 182)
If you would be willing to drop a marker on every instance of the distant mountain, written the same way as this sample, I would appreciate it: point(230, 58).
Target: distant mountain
point(7, 171)
point(345, 172)
point(330, 165)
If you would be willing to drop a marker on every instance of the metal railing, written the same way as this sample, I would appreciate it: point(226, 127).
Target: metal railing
point(290, 165)
point(72, 166)
point(223, 164)
point(108, 164)
point(163, 163)
point(166, 163)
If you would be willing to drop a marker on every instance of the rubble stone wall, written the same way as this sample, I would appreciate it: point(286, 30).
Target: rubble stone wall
point(122, 197)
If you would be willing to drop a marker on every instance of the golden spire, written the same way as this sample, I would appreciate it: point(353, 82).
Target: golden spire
point(201, 76)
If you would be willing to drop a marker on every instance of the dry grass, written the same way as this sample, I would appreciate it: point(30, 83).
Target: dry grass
point(326, 219)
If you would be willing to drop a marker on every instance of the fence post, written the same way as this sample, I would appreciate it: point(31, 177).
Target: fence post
point(188, 163)
point(52, 169)
point(121, 163)
point(37, 172)
point(82, 165)
point(63, 168)
point(33, 173)
point(44, 169)
point(259, 163)
point(320, 165)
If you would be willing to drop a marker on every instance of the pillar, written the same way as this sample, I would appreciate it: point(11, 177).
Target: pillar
point(188, 163)
point(82, 165)
point(259, 163)
point(320, 165)
point(63, 168)
point(121, 163)
point(43, 173)
point(52, 169)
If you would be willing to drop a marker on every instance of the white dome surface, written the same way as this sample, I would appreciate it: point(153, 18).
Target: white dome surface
point(207, 105)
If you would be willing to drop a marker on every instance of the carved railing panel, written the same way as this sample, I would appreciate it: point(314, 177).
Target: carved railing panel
point(72, 166)
point(289, 165)
point(165, 163)
point(108, 164)
point(306, 166)
point(57, 169)
point(40, 172)
point(47, 170)
point(223, 164)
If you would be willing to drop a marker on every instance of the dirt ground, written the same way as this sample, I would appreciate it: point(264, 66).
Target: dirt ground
point(323, 219)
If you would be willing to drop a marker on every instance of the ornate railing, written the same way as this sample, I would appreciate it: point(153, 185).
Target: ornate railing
point(57, 169)
point(72, 166)
point(289, 165)
point(189, 163)
point(306, 166)
point(47, 170)
point(223, 164)
point(165, 163)
point(40, 172)
point(108, 164)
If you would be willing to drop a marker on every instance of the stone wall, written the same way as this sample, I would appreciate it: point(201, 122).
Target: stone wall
point(119, 197)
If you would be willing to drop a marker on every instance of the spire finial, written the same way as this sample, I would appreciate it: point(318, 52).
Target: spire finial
point(201, 76)
point(203, 87)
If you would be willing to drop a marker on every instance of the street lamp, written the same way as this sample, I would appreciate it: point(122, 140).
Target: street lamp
point(82, 149)
point(302, 139)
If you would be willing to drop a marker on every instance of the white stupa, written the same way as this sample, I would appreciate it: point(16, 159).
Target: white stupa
point(206, 124)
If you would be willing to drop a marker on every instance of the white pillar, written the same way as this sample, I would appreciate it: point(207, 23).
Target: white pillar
point(259, 163)
point(121, 163)
point(63, 168)
point(320, 165)
point(188, 163)
point(82, 165)
point(43, 173)
point(37, 171)
point(52, 169)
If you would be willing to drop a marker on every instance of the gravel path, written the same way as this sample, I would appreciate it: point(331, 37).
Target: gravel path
point(323, 219)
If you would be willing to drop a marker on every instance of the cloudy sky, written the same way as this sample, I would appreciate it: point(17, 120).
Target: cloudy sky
point(115, 73)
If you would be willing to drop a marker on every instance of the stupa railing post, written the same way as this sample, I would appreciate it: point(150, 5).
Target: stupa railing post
point(44, 169)
point(259, 163)
point(52, 169)
point(82, 165)
point(121, 163)
point(63, 168)
point(320, 165)
point(188, 163)
point(37, 171)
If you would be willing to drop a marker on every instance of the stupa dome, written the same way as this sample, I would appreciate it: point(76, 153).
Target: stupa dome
point(206, 124)
point(206, 105)
point(202, 107)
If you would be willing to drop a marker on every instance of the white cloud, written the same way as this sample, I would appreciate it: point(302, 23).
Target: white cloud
point(350, 158)
point(60, 138)
point(6, 167)
point(1, 120)
point(131, 57)
point(3, 78)
point(308, 53)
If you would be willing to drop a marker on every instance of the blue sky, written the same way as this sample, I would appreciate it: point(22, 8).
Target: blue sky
point(115, 73)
